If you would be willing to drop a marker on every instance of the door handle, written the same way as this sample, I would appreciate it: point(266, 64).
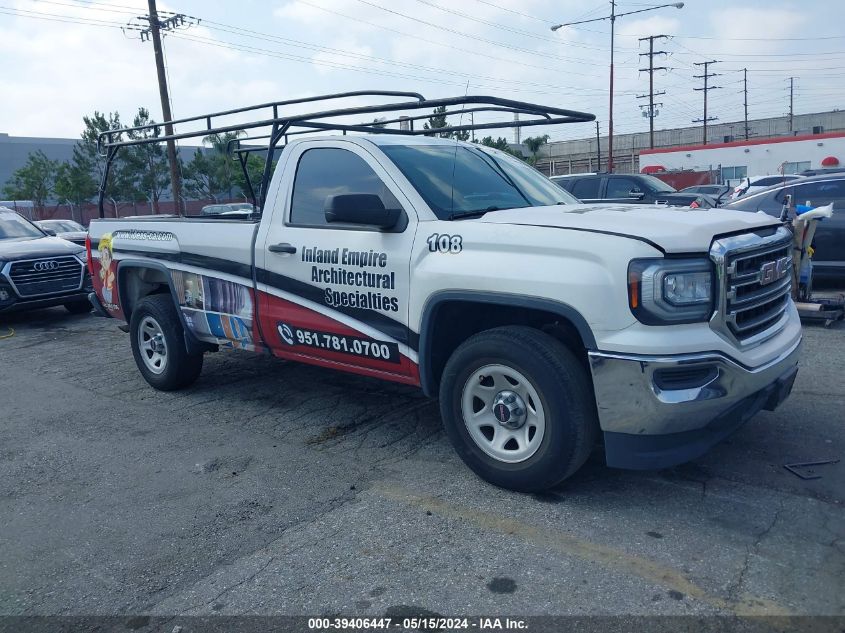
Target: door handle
point(284, 247)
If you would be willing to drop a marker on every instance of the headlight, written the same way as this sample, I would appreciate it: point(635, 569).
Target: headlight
point(665, 291)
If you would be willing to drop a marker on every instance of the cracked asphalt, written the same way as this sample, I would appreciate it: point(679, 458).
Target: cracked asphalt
point(275, 488)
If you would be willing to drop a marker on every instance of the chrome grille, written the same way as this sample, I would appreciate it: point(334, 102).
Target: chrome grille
point(30, 279)
point(755, 273)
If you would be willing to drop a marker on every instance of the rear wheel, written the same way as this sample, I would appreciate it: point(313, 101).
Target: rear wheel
point(82, 306)
point(158, 345)
point(518, 408)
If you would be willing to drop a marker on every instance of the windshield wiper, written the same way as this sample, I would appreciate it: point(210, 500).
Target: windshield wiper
point(476, 213)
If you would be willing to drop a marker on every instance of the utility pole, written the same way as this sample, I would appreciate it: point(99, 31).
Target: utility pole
point(706, 76)
point(598, 148)
point(745, 101)
point(612, 17)
point(791, 93)
point(153, 32)
point(651, 94)
point(610, 113)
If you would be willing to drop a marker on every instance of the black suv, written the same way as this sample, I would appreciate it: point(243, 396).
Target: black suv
point(628, 188)
point(38, 270)
point(814, 191)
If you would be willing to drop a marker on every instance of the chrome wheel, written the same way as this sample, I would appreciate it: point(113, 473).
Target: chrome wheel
point(503, 413)
point(152, 345)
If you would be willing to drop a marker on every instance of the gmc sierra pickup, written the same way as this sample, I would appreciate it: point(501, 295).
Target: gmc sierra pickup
point(539, 322)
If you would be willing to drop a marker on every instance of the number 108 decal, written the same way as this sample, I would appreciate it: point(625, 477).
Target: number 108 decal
point(444, 243)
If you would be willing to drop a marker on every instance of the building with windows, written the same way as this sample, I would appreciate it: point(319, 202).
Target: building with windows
point(755, 157)
point(630, 150)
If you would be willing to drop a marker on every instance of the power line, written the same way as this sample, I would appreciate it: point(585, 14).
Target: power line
point(515, 12)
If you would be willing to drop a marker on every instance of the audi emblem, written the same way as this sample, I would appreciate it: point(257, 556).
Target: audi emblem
point(46, 265)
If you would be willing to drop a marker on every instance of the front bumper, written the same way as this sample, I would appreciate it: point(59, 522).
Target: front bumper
point(19, 305)
point(11, 301)
point(659, 411)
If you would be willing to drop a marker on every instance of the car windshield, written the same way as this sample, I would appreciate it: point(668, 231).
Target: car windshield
point(457, 180)
point(14, 227)
point(61, 225)
point(657, 185)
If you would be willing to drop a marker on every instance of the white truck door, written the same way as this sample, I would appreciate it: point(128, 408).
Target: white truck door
point(337, 294)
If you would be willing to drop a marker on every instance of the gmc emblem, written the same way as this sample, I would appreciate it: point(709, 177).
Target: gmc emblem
point(770, 272)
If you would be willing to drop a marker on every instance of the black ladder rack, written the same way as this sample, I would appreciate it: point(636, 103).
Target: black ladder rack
point(284, 125)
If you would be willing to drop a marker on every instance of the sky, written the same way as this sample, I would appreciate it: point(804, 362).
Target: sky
point(63, 59)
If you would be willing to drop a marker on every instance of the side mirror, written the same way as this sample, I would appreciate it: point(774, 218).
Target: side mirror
point(49, 232)
point(636, 195)
point(360, 208)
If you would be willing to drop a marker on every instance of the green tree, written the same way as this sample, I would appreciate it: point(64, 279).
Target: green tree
point(75, 184)
point(146, 163)
point(86, 156)
point(221, 163)
point(437, 121)
point(255, 168)
point(199, 176)
point(34, 181)
point(534, 143)
point(501, 143)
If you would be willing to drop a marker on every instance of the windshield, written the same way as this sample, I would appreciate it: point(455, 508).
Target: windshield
point(13, 227)
point(657, 185)
point(458, 179)
point(61, 225)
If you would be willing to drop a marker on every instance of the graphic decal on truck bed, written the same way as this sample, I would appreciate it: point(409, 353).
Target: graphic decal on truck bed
point(104, 278)
point(216, 310)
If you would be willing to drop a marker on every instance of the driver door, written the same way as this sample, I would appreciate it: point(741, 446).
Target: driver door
point(337, 294)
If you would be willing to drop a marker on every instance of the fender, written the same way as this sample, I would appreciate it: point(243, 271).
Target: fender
point(563, 310)
point(192, 344)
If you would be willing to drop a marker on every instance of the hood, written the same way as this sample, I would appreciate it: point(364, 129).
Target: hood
point(74, 236)
point(36, 248)
point(674, 229)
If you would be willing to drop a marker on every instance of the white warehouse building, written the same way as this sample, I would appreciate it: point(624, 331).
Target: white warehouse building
point(754, 157)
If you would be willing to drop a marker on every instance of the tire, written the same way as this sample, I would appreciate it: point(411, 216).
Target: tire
point(553, 394)
point(158, 345)
point(78, 307)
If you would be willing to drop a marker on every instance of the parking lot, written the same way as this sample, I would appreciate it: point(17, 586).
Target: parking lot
point(276, 488)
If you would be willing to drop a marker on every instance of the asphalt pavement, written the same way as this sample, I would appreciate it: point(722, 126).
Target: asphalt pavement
point(276, 488)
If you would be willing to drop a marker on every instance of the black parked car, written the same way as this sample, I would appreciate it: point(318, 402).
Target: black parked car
point(38, 270)
point(815, 191)
point(721, 193)
point(628, 188)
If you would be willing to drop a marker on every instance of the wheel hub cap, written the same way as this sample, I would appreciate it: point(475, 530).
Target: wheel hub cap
point(509, 409)
point(152, 345)
point(503, 413)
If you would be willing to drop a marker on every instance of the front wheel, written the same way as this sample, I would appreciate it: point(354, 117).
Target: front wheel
point(518, 408)
point(158, 345)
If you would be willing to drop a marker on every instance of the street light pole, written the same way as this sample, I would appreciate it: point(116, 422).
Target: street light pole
point(612, 17)
point(610, 107)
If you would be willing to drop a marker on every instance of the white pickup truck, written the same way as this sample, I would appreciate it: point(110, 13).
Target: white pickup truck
point(540, 323)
